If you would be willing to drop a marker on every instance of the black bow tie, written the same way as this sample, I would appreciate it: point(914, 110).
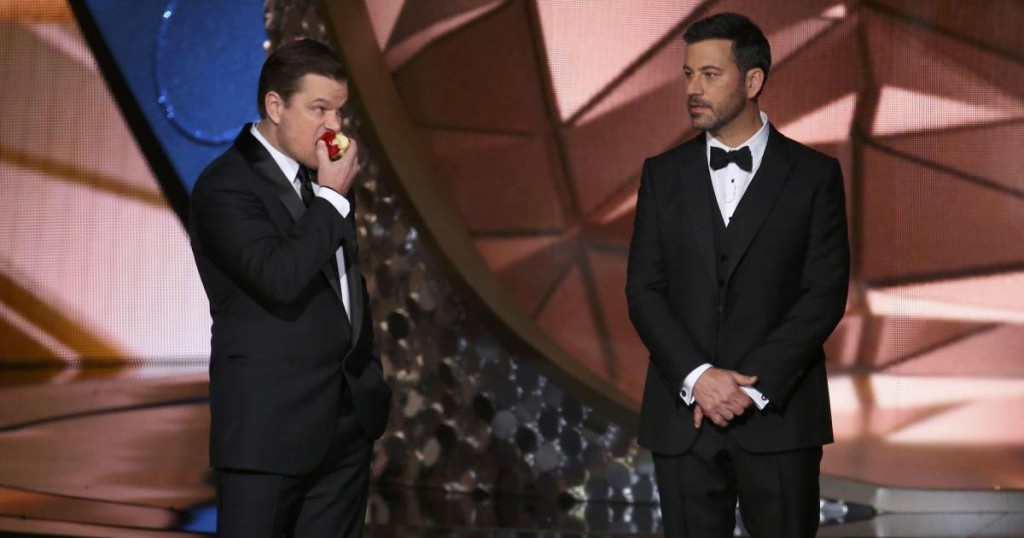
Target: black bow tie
point(721, 158)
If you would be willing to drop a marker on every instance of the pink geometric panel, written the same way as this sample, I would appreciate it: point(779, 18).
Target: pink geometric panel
point(568, 319)
point(448, 87)
point(991, 152)
point(383, 16)
point(998, 25)
point(837, 11)
point(906, 392)
point(588, 44)
point(790, 95)
point(854, 415)
point(987, 298)
point(828, 124)
point(415, 16)
point(911, 228)
point(400, 52)
point(902, 110)
point(892, 338)
point(630, 353)
point(613, 226)
point(502, 254)
point(915, 63)
point(992, 353)
point(986, 422)
point(843, 346)
point(508, 188)
point(789, 39)
point(606, 154)
point(448, 144)
point(529, 267)
point(662, 68)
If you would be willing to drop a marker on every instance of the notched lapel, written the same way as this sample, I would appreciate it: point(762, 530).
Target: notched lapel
point(266, 168)
point(760, 197)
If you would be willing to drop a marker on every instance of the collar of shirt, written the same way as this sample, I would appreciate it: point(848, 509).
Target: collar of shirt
point(757, 144)
point(289, 166)
point(730, 183)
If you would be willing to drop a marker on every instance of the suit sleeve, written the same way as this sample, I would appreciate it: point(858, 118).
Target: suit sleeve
point(231, 226)
point(779, 362)
point(671, 346)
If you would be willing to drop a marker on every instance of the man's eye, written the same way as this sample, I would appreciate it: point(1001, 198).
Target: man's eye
point(318, 109)
point(711, 75)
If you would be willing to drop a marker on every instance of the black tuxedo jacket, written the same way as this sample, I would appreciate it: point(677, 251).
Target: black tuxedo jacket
point(785, 291)
point(283, 352)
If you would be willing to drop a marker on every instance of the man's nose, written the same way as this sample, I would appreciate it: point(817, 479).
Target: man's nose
point(693, 86)
point(333, 123)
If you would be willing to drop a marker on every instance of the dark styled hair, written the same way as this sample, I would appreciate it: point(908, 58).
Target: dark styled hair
point(750, 48)
point(286, 66)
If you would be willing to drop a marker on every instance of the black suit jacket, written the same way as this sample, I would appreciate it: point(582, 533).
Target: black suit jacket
point(785, 292)
point(283, 352)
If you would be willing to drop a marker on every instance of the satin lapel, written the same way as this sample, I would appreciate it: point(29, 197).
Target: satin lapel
point(328, 269)
point(695, 183)
point(264, 166)
point(760, 197)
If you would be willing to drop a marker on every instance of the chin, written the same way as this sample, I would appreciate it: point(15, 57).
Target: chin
point(701, 124)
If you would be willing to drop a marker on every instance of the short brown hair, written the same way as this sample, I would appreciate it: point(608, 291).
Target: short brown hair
point(286, 66)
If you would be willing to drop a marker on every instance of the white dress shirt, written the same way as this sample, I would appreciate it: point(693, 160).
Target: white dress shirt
point(290, 168)
point(729, 184)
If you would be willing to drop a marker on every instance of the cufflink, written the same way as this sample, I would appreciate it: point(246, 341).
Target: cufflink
point(764, 398)
point(683, 393)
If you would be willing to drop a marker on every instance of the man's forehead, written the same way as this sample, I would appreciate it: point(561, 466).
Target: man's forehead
point(709, 53)
point(318, 87)
point(315, 81)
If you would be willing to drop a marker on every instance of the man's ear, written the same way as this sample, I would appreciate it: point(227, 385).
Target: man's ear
point(274, 104)
point(754, 82)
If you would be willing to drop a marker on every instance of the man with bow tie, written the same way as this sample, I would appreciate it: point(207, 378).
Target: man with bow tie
point(738, 272)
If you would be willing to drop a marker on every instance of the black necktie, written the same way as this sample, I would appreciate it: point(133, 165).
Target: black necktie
point(721, 158)
point(306, 184)
point(306, 190)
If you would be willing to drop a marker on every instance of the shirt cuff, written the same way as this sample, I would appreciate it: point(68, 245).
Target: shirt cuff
point(687, 392)
point(760, 400)
point(336, 199)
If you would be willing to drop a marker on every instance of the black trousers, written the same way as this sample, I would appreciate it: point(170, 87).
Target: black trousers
point(329, 502)
point(778, 493)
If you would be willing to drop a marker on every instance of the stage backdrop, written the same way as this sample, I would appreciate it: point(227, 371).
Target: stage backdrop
point(534, 118)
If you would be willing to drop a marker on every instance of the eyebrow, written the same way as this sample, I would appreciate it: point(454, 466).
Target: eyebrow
point(326, 103)
point(703, 67)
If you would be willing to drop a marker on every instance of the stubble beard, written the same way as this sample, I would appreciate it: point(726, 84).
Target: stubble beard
point(718, 116)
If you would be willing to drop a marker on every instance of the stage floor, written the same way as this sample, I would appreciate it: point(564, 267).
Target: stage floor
point(126, 456)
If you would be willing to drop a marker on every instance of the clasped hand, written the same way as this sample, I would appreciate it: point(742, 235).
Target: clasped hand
point(718, 396)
